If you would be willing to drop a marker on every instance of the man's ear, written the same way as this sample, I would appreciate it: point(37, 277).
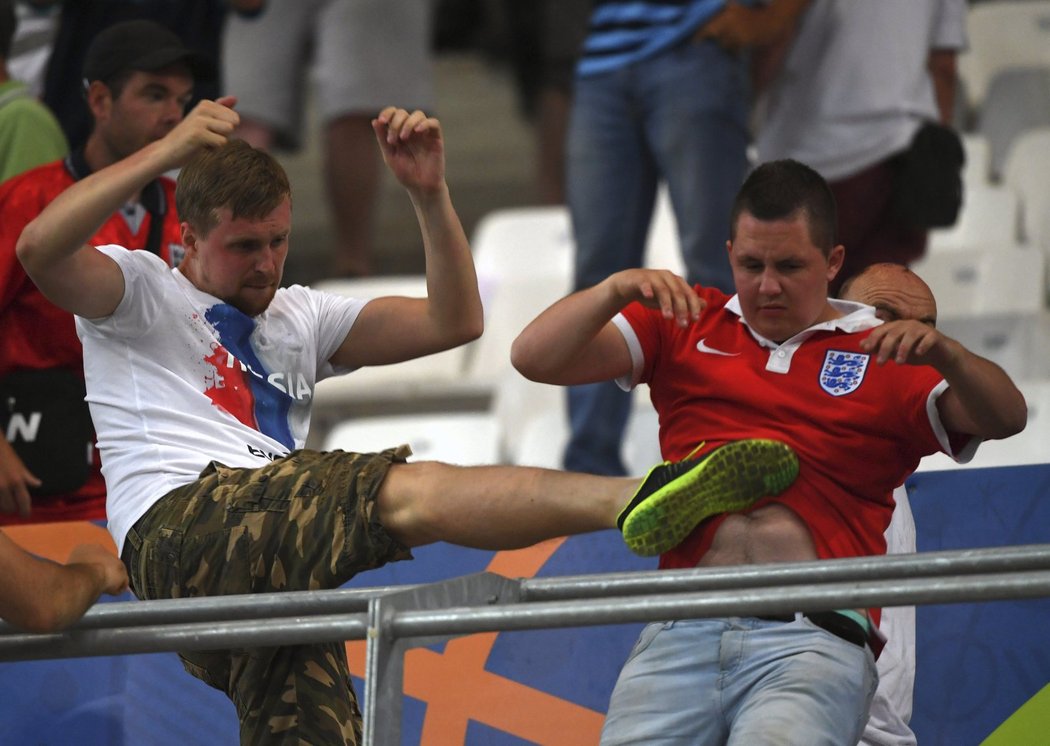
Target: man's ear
point(189, 237)
point(835, 259)
point(99, 99)
point(191, 244)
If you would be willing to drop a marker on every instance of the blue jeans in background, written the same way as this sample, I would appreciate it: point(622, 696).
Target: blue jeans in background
point(680, 117)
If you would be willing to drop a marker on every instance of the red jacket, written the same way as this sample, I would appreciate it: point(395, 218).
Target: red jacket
point(34, 333)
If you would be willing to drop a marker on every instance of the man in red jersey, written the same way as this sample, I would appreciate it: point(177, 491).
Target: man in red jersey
point(860, 401)
point(138, 78)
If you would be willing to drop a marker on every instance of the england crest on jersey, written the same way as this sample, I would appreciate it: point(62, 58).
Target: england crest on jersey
point(843, 371)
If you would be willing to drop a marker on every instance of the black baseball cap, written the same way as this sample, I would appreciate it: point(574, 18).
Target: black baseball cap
point(141, 45)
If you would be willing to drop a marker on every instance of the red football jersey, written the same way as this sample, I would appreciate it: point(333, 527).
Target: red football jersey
point(37, 334)
point(859, 428)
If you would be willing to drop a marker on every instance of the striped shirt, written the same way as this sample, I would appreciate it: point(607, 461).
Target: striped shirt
point(622, 32)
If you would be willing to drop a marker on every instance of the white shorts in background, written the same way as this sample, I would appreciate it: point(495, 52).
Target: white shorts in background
point(364, 55)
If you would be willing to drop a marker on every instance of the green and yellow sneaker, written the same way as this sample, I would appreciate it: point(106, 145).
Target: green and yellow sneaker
point(675, 497)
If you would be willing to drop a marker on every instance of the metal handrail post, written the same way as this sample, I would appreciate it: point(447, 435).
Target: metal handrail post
point(385, 654)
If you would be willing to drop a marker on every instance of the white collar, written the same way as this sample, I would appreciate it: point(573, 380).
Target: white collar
point(856, 317)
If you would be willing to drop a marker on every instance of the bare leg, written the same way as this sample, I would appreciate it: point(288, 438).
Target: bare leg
point(508, 507)
point(551, 125)
point(496, 507)
point(352, 181)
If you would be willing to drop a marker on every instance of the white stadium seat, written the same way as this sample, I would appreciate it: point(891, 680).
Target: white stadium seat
point(1003, 34)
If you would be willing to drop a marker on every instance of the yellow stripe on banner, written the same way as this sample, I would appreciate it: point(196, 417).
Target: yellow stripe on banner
point(1029, 726)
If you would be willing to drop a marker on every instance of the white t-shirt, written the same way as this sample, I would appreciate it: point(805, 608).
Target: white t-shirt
point(177, 378)
point(892, 706)
point(855, 87)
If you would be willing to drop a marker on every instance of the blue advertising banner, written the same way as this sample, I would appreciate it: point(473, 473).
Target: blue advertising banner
point(977, 664)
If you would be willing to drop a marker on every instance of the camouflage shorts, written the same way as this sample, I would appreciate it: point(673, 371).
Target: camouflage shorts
point(303, 522)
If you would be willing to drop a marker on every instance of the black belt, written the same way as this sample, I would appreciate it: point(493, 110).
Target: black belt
point(837, 624)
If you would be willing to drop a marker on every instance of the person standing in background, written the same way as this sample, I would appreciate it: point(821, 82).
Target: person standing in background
point(661, 93)
point(541, 41)
point(846, 93)
point(29, 133)
point(365, 53)
point(31, 47)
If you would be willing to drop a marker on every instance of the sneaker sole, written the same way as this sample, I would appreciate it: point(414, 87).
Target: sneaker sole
point(732, 478)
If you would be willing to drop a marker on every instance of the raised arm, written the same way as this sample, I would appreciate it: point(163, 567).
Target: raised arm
point(42, 596)
point(393, 329)
point(981, 399)
point(574, 341)
point(53, 249)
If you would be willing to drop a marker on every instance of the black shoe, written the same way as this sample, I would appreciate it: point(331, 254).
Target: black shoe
point(675, 497)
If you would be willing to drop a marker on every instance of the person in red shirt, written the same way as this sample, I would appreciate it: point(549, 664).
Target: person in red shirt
point(860, 401)
point(138, 79)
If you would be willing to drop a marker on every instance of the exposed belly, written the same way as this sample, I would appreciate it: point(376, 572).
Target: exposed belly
point(770, 534)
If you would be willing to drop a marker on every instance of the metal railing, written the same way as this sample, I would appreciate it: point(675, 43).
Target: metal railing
point(393, 619)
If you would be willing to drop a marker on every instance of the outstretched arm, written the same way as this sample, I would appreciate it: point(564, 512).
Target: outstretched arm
point(393, 329)
point(42, 596)
point(53, 249)
point(574, 341)
point(981, 399)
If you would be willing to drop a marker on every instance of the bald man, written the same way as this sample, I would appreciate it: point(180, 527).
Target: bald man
point(896, 293)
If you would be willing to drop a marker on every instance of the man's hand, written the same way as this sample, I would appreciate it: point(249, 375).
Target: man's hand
point(112, 574)
point(15, 482)
point(412, 148)
point(910, 342)
point(209, 125)
point(739, 26)
point(662, 289)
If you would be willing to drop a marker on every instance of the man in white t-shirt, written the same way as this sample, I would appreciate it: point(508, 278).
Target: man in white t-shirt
point(896, 293)
point(848, 92)
point(200, 381)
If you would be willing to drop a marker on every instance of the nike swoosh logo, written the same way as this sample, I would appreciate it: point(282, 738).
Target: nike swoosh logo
point(702, 347)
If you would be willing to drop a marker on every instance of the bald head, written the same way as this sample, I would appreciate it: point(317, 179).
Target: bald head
point(895, 291)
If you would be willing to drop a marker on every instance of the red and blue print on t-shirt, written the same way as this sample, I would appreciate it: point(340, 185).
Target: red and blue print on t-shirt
point(243, 386)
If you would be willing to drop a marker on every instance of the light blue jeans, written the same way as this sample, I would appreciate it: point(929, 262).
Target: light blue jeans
point(741, 681)
point(680, 117)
